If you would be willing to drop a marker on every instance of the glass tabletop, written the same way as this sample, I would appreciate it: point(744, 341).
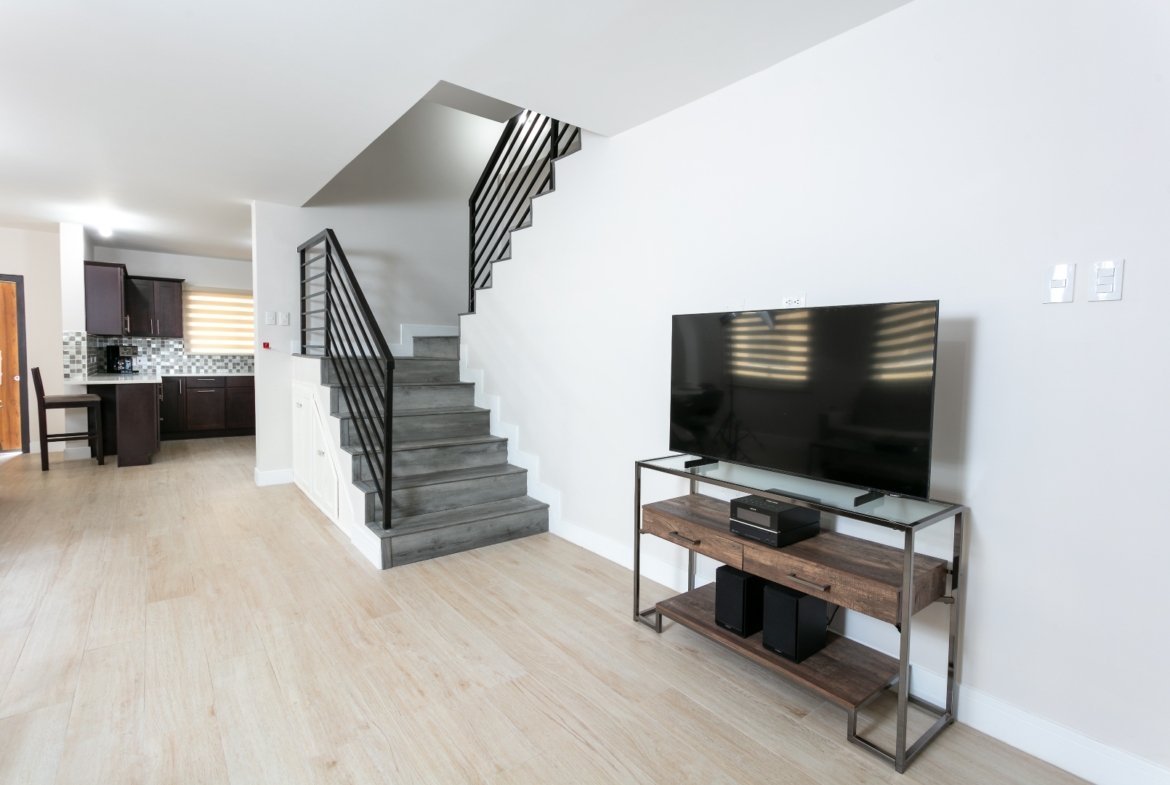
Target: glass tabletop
point(896, 512)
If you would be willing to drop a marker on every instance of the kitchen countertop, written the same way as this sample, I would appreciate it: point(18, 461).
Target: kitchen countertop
point(141, 378)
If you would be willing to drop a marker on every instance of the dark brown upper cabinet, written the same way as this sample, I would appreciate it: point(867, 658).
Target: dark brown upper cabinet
point(105, 308)
point(154, 307)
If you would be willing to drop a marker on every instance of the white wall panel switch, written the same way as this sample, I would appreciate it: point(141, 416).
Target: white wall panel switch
point(1106, 281)
point(1060, 283)
point(284, 318)
point(794, 301)
point(270, 317)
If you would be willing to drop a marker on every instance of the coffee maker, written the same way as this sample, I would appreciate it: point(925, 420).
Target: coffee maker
point(120, 359)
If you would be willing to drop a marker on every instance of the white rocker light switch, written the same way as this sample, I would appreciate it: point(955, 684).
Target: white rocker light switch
point(1107, 278)
point(1060, 283)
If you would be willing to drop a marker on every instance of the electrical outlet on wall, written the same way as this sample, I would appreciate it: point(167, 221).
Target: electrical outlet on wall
point(282, 317)
point(793, 301)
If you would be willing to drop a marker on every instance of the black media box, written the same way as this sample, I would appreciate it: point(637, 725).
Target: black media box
point(794, 623)
point(771, 522)
point(739, 601)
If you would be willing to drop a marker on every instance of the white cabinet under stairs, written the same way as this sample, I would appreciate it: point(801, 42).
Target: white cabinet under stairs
point(313, 469)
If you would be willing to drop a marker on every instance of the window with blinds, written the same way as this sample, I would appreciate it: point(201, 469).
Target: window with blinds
point(218, 322)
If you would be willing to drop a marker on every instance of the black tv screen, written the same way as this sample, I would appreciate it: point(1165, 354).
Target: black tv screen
point(843, 393)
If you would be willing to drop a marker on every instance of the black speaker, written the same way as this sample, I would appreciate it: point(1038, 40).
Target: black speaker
point(739, 601)
point(794, 622)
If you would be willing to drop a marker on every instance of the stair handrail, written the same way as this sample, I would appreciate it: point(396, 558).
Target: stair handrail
point(520, 169)
point(358, 353)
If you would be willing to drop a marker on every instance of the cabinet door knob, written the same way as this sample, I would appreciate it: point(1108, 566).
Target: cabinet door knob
point(320, 452)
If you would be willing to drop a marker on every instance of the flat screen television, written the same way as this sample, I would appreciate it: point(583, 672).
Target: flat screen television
point(842, 393)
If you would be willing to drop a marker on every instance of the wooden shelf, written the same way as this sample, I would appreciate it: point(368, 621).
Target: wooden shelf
point(858, 574)
point(844, 672)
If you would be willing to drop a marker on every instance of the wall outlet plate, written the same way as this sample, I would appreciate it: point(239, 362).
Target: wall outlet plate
point(283, 317)
point(793, 301)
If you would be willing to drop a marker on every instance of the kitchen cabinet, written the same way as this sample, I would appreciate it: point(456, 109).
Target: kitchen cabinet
point(173, 405)
point(241, 402)
point(154, 307)
point(130, 421)
point(105, 308)
point(199, 406)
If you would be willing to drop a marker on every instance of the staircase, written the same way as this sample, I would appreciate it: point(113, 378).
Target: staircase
point(448, 485)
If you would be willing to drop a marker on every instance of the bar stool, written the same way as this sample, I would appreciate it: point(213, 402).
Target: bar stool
point(83, 401)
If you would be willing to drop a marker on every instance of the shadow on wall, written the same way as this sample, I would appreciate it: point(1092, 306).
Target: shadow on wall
point(951, 403)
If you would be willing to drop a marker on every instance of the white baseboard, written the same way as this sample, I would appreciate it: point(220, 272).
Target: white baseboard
point(1049, 741)
point(273, 476)
point(408, 332)
point(1046, 740)
point(77, 453)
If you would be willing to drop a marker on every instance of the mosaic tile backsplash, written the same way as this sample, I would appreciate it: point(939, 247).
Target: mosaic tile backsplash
point(84, 354)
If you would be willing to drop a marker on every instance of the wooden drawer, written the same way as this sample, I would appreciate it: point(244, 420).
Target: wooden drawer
point(239, 381)
point(695, 524)
point(853, 573)
point(205, 381)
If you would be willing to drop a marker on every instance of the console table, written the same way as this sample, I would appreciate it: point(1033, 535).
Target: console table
point(890, 584)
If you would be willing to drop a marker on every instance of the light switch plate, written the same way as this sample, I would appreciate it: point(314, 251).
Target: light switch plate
point(284, 318)
point(1106, 283)
point(270, 317)
point(1060, 283)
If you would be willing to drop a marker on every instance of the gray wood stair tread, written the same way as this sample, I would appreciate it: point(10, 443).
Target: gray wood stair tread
point(438, 478)
point(457, 516)
point(424, 444)
point(417, 412)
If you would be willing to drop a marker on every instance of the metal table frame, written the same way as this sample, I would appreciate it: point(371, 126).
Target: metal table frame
point(904, 751)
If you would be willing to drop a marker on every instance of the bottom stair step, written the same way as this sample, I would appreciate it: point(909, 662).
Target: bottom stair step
point(445, 532)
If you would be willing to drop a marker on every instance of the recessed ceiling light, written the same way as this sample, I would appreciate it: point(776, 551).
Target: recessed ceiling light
point(105, 231)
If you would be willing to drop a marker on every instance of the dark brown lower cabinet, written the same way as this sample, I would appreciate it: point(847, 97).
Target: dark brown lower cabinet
point(205, 409)
point(241, 407)
point(201, 406)
point(130, 421)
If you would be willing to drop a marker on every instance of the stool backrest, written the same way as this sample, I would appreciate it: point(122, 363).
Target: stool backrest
point(36, 372)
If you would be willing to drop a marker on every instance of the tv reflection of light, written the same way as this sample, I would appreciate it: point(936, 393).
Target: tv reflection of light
point(904, 349)
point(768, 345)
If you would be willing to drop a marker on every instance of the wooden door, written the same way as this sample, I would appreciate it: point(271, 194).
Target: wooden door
point(140, 306)
point(168, 309)
point(104, 295)
point(241, 407)
point(205, 409)
point(9, 369)
point(174, 405)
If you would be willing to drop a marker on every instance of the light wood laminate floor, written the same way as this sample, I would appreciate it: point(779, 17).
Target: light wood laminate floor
point(175, 623)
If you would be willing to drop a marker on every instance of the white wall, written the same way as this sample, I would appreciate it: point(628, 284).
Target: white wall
point(400, 214)
point(947, 150)
point(35, 255)
point(196, 270)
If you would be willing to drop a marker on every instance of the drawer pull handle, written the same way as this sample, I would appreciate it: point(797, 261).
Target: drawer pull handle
point(816, 586)
point(208, 391)
point(203, 380)
point(687, 540)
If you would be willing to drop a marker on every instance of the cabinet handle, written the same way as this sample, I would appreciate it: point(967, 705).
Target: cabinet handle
point(127, 318)
point(198, 379)
point(808, 584)
point(320, 452)
point(678, 536)
point(298, 406)
point(180, 385)
point(202, 391)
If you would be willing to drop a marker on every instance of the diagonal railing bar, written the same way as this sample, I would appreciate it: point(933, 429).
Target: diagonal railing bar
point(360, 361)
point(520, 168)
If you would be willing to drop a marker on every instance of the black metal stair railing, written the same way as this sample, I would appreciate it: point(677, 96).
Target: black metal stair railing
point(337, 324)
point(520, 169)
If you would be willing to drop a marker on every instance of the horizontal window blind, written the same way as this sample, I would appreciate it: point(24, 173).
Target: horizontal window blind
point(218, 322)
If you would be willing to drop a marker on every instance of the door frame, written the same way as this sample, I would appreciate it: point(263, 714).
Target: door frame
point(22, 356)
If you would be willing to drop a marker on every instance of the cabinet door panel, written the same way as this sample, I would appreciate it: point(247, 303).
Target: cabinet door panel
point(205, 409)
point(140, 306)
point(302, 440)
point(104, 300)
point(174, 405)
point(241, 407)
point(168, 309)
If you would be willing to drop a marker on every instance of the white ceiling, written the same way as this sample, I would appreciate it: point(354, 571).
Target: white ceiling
point(164, 120)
